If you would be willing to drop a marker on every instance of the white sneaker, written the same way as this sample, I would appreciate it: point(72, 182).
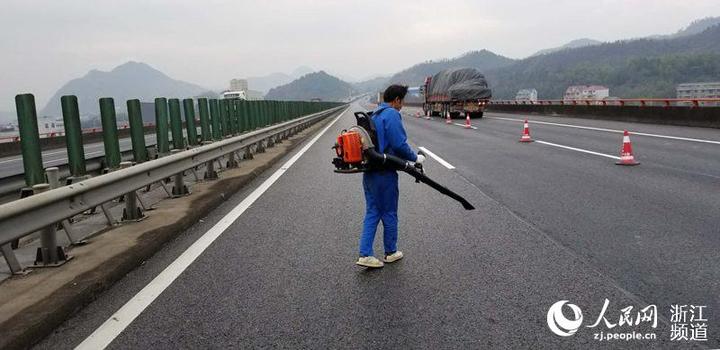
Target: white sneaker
point(393, 257)
point(370, 261)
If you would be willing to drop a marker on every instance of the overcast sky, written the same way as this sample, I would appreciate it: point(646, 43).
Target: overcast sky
point(45, 43)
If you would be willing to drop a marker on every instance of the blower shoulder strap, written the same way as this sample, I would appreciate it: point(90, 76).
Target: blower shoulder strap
point(364, 121)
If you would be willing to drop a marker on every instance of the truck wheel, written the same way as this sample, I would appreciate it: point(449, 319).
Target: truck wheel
point(477, 115)
point(435, 113)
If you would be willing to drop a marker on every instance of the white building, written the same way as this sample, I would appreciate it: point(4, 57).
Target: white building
point(586, 92)
point(239, 85)
point(527, 95)
point(50, 125)
point(698, 90)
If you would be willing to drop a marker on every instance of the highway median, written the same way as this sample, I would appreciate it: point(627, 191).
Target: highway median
point(31, 306)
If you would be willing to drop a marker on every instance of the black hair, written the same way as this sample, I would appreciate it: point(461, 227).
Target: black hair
point(394, 91)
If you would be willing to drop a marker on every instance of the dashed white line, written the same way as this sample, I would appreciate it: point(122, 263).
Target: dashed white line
point(437, 158)
point(611, 130)
point(578, 149)
point(108, 331)
point(463, 125)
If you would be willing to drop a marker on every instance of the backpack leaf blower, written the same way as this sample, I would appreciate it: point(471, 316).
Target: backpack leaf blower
point(356, 153)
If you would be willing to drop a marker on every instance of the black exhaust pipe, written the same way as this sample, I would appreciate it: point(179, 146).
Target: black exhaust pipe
point(388, 161)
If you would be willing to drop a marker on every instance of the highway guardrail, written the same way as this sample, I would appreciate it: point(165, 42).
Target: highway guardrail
point(642, 102)
point(234, 125)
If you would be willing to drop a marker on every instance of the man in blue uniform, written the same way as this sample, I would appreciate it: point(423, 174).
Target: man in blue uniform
point(381, 186)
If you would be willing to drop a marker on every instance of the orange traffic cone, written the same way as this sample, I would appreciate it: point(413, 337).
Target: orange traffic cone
point(626, 152)
point(467, 121)
point(526, 133)
point(448, 119)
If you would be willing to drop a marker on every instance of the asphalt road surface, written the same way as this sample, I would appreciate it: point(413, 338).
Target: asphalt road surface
point(553, 222)
point(13, 165)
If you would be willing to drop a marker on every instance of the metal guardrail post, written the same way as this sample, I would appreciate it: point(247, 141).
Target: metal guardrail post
point(16, 267)
point(161, 126)
point(179, 189)
point(238, 117)
point(233, 122)
point(241, 117)
point(278, 111)
point(137, 131)
point(229, 118)
point(231, 162)
point(251, 114)
point(131, 212)
point(248, 115)
point(265, 114)
point(230, 115)
point(49, 254)
point(258, 114)
point(176, 128)
point(271, 112)
point(210, 173)
point(204, 110)
point(73, 136)
point(215, 120)
point(224, 123)
point(53, 177)
point(238, 122)
point(189, 107)
point(110, 133)
point(29, 139)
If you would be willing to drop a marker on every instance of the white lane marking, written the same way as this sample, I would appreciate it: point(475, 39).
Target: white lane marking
point(463, 125)
point(437, 158)
point(66, 160)
point(108, 331)
point(10, 160)
point(612, 130)
point(578, 149)
point(58, 159)
point(88, 146)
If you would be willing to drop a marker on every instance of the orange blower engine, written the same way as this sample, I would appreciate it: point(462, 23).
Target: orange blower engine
point(356, 153)
point(349, 149)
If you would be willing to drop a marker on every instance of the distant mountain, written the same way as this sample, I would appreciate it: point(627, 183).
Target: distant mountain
point(571, 45)
point(344, 77)
point(372, 85)
point(255, 95)
point(483, 60)
point(208, 94)
point(300, 71)
point(630, 68)
point(646, 67)
point(314, 85)
point(128, 81)
point(696, 27)
point(266, 82)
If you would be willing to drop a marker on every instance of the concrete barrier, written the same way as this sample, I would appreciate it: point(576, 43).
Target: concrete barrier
point(706, 117)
